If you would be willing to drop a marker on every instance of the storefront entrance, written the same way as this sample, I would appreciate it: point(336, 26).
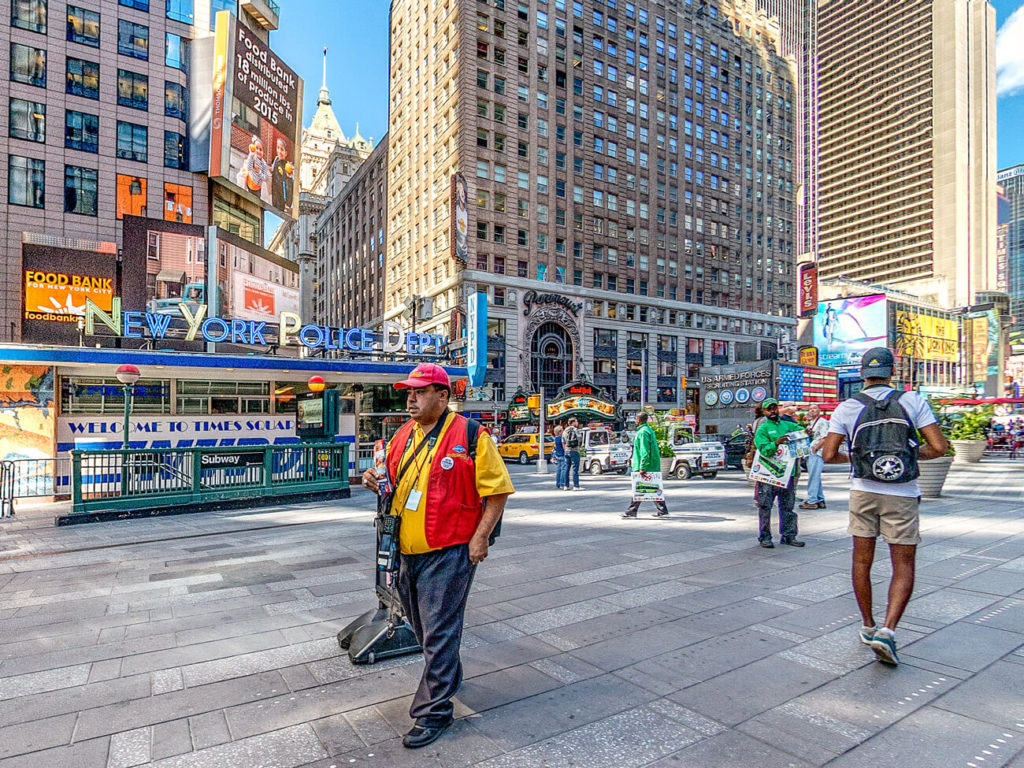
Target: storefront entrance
point(552, 359)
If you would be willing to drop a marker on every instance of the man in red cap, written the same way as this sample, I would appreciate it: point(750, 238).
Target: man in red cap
point(449, 503)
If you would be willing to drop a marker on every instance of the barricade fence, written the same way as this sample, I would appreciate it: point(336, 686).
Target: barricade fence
point(134, 479)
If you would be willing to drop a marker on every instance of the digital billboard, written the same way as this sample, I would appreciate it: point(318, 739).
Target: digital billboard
point(844, 329)
point(256, 111)
point(57, 277)
point(927, 337)
point(460, 219)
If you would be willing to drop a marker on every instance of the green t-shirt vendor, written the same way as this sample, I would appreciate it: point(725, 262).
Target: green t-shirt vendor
point(768, 439)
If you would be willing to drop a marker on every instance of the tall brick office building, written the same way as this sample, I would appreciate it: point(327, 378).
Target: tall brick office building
point(630, 171)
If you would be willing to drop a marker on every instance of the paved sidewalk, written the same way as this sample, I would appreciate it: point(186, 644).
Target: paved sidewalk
point(208, 640)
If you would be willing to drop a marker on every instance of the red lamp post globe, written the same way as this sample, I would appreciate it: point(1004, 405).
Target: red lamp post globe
point(316, 384)
point(128, 374)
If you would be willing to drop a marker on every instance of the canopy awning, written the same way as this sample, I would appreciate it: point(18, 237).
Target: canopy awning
point(170, 276)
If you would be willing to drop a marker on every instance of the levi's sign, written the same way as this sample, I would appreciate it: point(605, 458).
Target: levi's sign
point(390, 338)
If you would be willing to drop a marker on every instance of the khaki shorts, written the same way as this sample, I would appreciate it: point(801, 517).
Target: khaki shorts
point(894, 517)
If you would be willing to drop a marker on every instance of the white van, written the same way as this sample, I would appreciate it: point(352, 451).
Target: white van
point(602, 451)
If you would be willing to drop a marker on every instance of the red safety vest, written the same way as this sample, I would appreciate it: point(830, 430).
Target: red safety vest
point(453, 508)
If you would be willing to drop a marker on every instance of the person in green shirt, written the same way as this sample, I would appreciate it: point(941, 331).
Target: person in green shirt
point(767, 440)
point(646, 458)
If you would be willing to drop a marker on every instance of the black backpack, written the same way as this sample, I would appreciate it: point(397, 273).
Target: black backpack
point(572, 438)
point(472, 433)
point(884, 443)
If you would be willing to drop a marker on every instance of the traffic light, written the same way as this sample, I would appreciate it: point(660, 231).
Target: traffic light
point(682, 382)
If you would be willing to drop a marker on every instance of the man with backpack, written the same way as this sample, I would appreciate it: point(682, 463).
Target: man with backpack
point(572, 439)
point(883, 428)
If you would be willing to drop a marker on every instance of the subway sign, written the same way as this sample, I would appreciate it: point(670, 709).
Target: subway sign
point(389, 338)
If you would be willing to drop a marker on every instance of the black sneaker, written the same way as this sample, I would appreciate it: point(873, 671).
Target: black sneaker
point(766, 543)
point(628, 516)
point(418, 736)
point(792, 541)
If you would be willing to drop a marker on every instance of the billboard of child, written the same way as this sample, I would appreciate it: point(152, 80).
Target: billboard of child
point(255, 170)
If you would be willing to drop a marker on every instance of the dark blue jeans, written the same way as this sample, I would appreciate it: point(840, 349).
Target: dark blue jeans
point(574, 468)
point(433, 588)
point(766, 496)
point(562, 471)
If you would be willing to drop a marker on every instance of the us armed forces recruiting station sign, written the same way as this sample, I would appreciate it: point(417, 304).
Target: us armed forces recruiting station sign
point(257, 102)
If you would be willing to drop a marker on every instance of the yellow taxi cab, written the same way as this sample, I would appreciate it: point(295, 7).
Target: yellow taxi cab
point(524, 448)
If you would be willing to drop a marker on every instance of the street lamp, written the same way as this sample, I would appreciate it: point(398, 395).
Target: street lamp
point(127, 374)
point(316, 384)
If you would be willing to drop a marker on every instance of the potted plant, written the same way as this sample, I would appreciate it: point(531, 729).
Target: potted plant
point(967, 432)
point(933, 474)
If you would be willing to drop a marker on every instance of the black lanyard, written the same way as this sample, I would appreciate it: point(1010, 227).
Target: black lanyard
point(430, 437)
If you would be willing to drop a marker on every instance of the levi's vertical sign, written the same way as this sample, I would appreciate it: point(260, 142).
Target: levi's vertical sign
point(807, 284)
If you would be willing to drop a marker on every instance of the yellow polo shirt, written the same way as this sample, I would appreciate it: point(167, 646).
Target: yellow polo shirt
point(491, 480)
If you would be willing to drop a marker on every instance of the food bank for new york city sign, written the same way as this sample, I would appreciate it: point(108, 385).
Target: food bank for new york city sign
point(138, 325)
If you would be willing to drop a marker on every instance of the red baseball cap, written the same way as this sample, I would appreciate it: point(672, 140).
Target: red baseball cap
point(425, 374)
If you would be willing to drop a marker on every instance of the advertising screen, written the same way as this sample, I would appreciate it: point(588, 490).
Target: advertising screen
point(927, 337)
point(460, 219)
point(57, 277)
point(844, 329)
point(311, 412)
point(257, 104)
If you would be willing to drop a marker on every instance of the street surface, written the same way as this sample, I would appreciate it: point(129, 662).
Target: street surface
point(208, 640)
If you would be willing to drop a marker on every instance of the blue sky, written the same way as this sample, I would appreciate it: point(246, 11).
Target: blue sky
point(356, 35)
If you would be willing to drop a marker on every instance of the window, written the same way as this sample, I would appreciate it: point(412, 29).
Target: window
point(29, 14)
point(141, 5)
point(83, 78)
point(175, 100)
point(83, 26)
point(220, 5)
point(132, 90)
point(81, 131)
point(80, 190)
point(27, 120)
point(131, 141)
point(178, 203)
point(175, 150)
point(179, 10)
point(28, 65)
point(542, 270)
point(176, 51)
point(26, 181)
point(131, 196)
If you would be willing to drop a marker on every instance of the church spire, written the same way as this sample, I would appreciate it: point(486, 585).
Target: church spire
point(325, 96)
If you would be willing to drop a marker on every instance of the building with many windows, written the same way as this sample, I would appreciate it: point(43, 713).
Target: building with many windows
point(907, 145)
point(97, 126)
point(630, 189)
point(1012, 182)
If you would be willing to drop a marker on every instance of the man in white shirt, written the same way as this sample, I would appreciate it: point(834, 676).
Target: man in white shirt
point(817, 428)
point(886, 508)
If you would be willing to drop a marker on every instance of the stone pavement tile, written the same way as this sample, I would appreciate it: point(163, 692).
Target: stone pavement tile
point(496, 689)
point(105, 670)
point(994, 581)
point(11, 650)
point(947, 606)
point(955, 568)
point(208, 730)
point(635, 737)
point(714, 656)
point(171, 738)
point(336, 734)
point(82, 754)
point(177, 656)
point(104, 720)
point(278, 749)
point(721, 596)
point(338, 667)
point(371, 726)
point(934, 737)
point(63, 700)
point(129, 748)
point(551, 599)
point(277, 711)
point(651, 594)
point(823, 588)
point(966, 646)
point(510, 653)
point(17, 685)
point(567, 669)
point(993, 695)
point(461, 745)
point(621, 622)
point(36, 735)
point(533, 719)
point(727, 618)
point(1006, 614)
point(493, 632)
point(807, 735)
point(629, 648)
point(242, 664)
point(501, 593)
point(731, 749)
point(299, 678)
point(167, 680)
point(841, 649)
point(764, 684)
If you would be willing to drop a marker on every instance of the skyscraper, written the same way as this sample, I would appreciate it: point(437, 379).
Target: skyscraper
point(629, 185)
point(798, 39)
point(1012, 181)
point(907, 145)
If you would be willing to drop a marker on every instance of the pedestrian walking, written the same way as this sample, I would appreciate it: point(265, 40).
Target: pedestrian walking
point(449, 503)
point(817, 428)
point(881, 427)
point(646, 458)
point(572, 439)
point(561, 461)
point(772, 433)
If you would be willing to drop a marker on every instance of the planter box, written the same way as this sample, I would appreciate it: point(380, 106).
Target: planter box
point(933, 475)
point(666, 466)
point(968, 451)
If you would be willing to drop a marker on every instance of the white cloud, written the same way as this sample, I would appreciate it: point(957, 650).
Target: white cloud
point(1010, 55)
